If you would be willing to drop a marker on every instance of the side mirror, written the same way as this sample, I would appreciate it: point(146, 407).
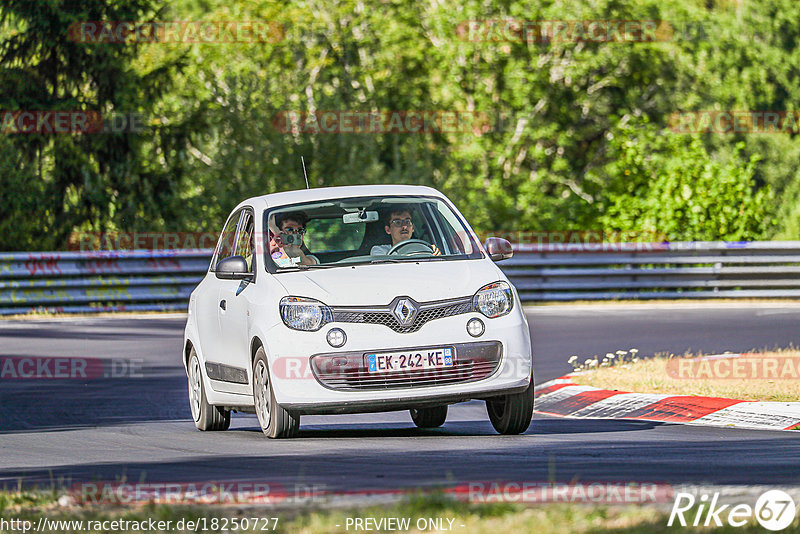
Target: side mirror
point(499, 249)
point(233, 268)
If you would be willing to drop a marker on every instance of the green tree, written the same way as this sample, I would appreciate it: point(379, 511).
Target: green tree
point(89, 181)
point(670, 185)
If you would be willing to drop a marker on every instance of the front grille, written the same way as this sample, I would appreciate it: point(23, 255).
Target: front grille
point(428, 311)
point(348, 371)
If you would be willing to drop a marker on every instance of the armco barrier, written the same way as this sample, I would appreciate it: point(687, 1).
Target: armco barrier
point(596, 271)
point(142, 280)
point(83, 282)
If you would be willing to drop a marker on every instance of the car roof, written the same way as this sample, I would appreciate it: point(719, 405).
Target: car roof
point(323, 193)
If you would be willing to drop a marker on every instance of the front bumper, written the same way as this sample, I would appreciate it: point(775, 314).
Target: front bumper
point(349, 371)
point(297, 390)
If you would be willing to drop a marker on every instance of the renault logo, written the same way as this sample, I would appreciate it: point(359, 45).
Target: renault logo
point(405, 311)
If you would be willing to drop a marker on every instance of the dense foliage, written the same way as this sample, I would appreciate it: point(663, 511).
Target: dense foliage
point(569, 134)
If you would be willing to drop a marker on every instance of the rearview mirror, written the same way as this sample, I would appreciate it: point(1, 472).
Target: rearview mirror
point(233, 268)
point(498, 249)
point(361, 216)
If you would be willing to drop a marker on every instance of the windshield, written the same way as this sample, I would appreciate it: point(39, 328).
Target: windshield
point(377, 229)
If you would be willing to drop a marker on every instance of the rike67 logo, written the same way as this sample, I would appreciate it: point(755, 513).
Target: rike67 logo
point(774, 510)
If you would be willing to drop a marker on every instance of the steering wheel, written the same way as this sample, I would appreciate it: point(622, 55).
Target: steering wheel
point(418, 247)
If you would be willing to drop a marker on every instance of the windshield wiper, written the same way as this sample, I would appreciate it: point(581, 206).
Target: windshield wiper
point(433, 258)
point(409, 259)
point(390, 260)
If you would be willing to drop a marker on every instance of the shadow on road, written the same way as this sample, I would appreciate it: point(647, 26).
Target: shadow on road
point(30, 405)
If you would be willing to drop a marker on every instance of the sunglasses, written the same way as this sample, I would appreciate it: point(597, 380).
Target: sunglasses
point(402, 222)
point(294, 231)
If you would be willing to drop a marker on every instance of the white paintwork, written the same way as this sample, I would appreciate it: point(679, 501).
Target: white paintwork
point(226, 336)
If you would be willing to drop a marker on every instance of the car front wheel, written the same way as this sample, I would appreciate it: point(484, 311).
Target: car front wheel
point(206, 416)
point(274, 420)
point(511, 414)
point(429, 417)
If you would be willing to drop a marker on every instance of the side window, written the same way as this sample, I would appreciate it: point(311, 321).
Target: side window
point(245, 239)
point(227, 239)
point(422, 227)
point(458, 239)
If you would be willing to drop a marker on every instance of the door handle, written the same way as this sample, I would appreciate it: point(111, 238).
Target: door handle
point(222, 304)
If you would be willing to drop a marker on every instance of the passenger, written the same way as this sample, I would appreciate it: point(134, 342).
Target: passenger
point(286, 240)
point(400, 226)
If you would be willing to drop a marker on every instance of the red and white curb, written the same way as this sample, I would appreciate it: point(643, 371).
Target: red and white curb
point(564, 398)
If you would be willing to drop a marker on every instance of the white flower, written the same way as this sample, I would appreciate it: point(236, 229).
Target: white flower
point(572, 359)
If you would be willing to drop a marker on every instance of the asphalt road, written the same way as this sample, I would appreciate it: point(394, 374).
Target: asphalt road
point(138, 428)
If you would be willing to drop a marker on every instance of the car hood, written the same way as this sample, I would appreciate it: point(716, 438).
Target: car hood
point(380, 284)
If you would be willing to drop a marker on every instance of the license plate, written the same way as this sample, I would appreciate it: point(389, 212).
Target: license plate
point(388, 362)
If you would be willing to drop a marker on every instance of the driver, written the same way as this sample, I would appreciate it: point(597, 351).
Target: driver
point(400, 226)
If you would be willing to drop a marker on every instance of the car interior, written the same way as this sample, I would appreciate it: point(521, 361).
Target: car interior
point(374, 232)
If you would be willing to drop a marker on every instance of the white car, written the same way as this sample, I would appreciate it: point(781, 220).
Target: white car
point(355, 299)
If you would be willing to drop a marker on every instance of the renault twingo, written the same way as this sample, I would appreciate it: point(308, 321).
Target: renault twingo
point(355, 299)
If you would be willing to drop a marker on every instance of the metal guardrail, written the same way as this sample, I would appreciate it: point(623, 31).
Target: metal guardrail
point(83, 282)
point(602, 271)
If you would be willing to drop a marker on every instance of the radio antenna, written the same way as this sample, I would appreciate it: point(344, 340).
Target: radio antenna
point(303, 161)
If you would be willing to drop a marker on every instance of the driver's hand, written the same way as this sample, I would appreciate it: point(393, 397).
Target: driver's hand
point(436, 251)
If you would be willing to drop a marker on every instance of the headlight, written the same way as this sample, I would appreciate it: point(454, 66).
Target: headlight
point(304, 314)
point(494, 300)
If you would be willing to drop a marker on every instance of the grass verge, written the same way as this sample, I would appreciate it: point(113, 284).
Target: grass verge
point(767, 376)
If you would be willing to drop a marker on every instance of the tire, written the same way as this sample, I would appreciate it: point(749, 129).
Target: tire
point(511, 414)
point(206, 416)
point(429, 417)
point(274, 420)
